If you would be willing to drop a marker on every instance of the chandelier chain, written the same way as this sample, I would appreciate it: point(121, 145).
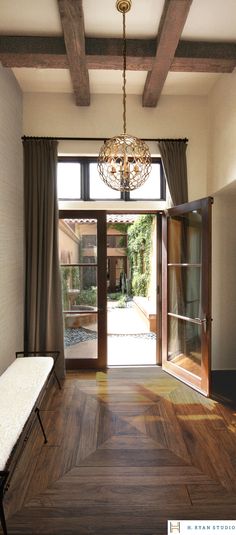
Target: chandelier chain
point(124, 161)
point(124, 74)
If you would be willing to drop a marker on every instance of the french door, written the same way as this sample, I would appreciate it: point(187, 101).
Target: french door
point(82, 251)
point(186, 293)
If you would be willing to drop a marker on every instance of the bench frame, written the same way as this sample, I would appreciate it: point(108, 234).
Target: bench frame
point(7, 473)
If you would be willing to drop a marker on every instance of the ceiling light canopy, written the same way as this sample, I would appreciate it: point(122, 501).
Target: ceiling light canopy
point(124, 161)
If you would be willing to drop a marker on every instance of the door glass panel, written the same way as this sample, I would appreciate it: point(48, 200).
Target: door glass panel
point(184, 274)
point(78, 258)
point(185, 238)
point(184, 344)
point(184, 290)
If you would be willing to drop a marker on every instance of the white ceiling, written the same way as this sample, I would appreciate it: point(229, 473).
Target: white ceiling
point(207, 20)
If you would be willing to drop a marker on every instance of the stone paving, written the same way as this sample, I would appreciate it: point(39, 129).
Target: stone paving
point(129, 340)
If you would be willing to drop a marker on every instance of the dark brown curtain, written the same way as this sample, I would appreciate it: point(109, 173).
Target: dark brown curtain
point(43, 328)
point(173, 154)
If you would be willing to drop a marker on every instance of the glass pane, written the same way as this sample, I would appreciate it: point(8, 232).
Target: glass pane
point(99, 190)
point(77, 241)
point(116, 242)
point(79, 294)
point(184, 344)
point(151, 189)
point(68, 180)
point(80, 336)
point(79, 288)
point(78, 245)
point(185, 238)
point(184, 291)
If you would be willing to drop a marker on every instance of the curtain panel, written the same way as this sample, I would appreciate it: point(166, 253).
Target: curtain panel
point(173, 154)
point(43, 326)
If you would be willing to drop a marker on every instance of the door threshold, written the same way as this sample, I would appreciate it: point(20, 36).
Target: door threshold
point(133, 366)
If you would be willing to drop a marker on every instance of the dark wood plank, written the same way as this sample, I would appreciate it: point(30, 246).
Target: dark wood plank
point(162, 424)
point(72, 20)
point(107, 520)
point(213, 493)
point(205, 452)
point(132, 457)
point(116, 473)
point(173, 18)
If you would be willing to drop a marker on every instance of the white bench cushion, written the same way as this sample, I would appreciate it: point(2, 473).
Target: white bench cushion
point(20, 386)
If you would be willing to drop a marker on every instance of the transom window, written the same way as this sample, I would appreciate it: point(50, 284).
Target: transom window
point(78, 179)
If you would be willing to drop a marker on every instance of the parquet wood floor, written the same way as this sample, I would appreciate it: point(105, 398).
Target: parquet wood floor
point(128, 449)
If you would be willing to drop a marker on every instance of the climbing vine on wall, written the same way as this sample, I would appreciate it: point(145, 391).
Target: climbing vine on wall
point(139, 252)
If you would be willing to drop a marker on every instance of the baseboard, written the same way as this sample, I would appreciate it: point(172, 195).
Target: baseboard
point(224, 386)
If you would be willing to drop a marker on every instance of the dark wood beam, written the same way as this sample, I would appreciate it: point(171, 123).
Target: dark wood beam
point(33, 52)
point(204, 56)
point(50, 52)
point(108, 53)
point(72, 20)
point(173, 18)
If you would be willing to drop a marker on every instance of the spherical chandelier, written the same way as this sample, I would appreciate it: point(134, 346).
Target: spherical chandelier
point(124, 161)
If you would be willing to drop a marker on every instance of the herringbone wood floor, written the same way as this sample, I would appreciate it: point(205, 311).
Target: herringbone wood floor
point(128, 449)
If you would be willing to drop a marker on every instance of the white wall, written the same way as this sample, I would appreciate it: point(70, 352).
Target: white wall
point(222, 140)
point(11, 219)
point(222, 184)
point(47, 114)
point(224, 282)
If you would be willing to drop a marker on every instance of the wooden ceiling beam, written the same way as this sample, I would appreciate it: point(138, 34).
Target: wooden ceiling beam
point(171, 25)
point(50, 52)
point(72, 20)
point(204, 56)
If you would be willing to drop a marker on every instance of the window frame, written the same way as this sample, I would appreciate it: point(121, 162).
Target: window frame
point(85, 162)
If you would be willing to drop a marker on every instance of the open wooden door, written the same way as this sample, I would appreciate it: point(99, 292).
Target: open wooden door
point(186, 293)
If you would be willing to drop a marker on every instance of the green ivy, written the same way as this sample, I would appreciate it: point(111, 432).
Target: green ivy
point(139, 252)
point(121, 227)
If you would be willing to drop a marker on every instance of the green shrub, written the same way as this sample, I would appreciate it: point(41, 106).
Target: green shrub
point(114, 296)
point(87, 297)
point(122, 302)
point(139, 284)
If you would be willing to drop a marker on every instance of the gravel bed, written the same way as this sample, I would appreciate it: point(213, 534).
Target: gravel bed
point(75, 336)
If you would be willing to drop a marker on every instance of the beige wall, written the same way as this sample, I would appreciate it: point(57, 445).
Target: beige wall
point(222, 184)
point(222, 139)
point(48, 114)
point(68, 245)
point(224, 283)
point(11, 218)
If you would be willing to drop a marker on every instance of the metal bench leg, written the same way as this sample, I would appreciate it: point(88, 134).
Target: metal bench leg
point(57, 380)
point(41, 425)
point(2, 517)
point(3, 479)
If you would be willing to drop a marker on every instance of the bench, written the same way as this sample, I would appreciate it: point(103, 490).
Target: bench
point(147, 311)
point(22, 388)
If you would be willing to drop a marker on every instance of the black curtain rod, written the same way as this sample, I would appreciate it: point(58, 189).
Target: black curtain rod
point(96, 138)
